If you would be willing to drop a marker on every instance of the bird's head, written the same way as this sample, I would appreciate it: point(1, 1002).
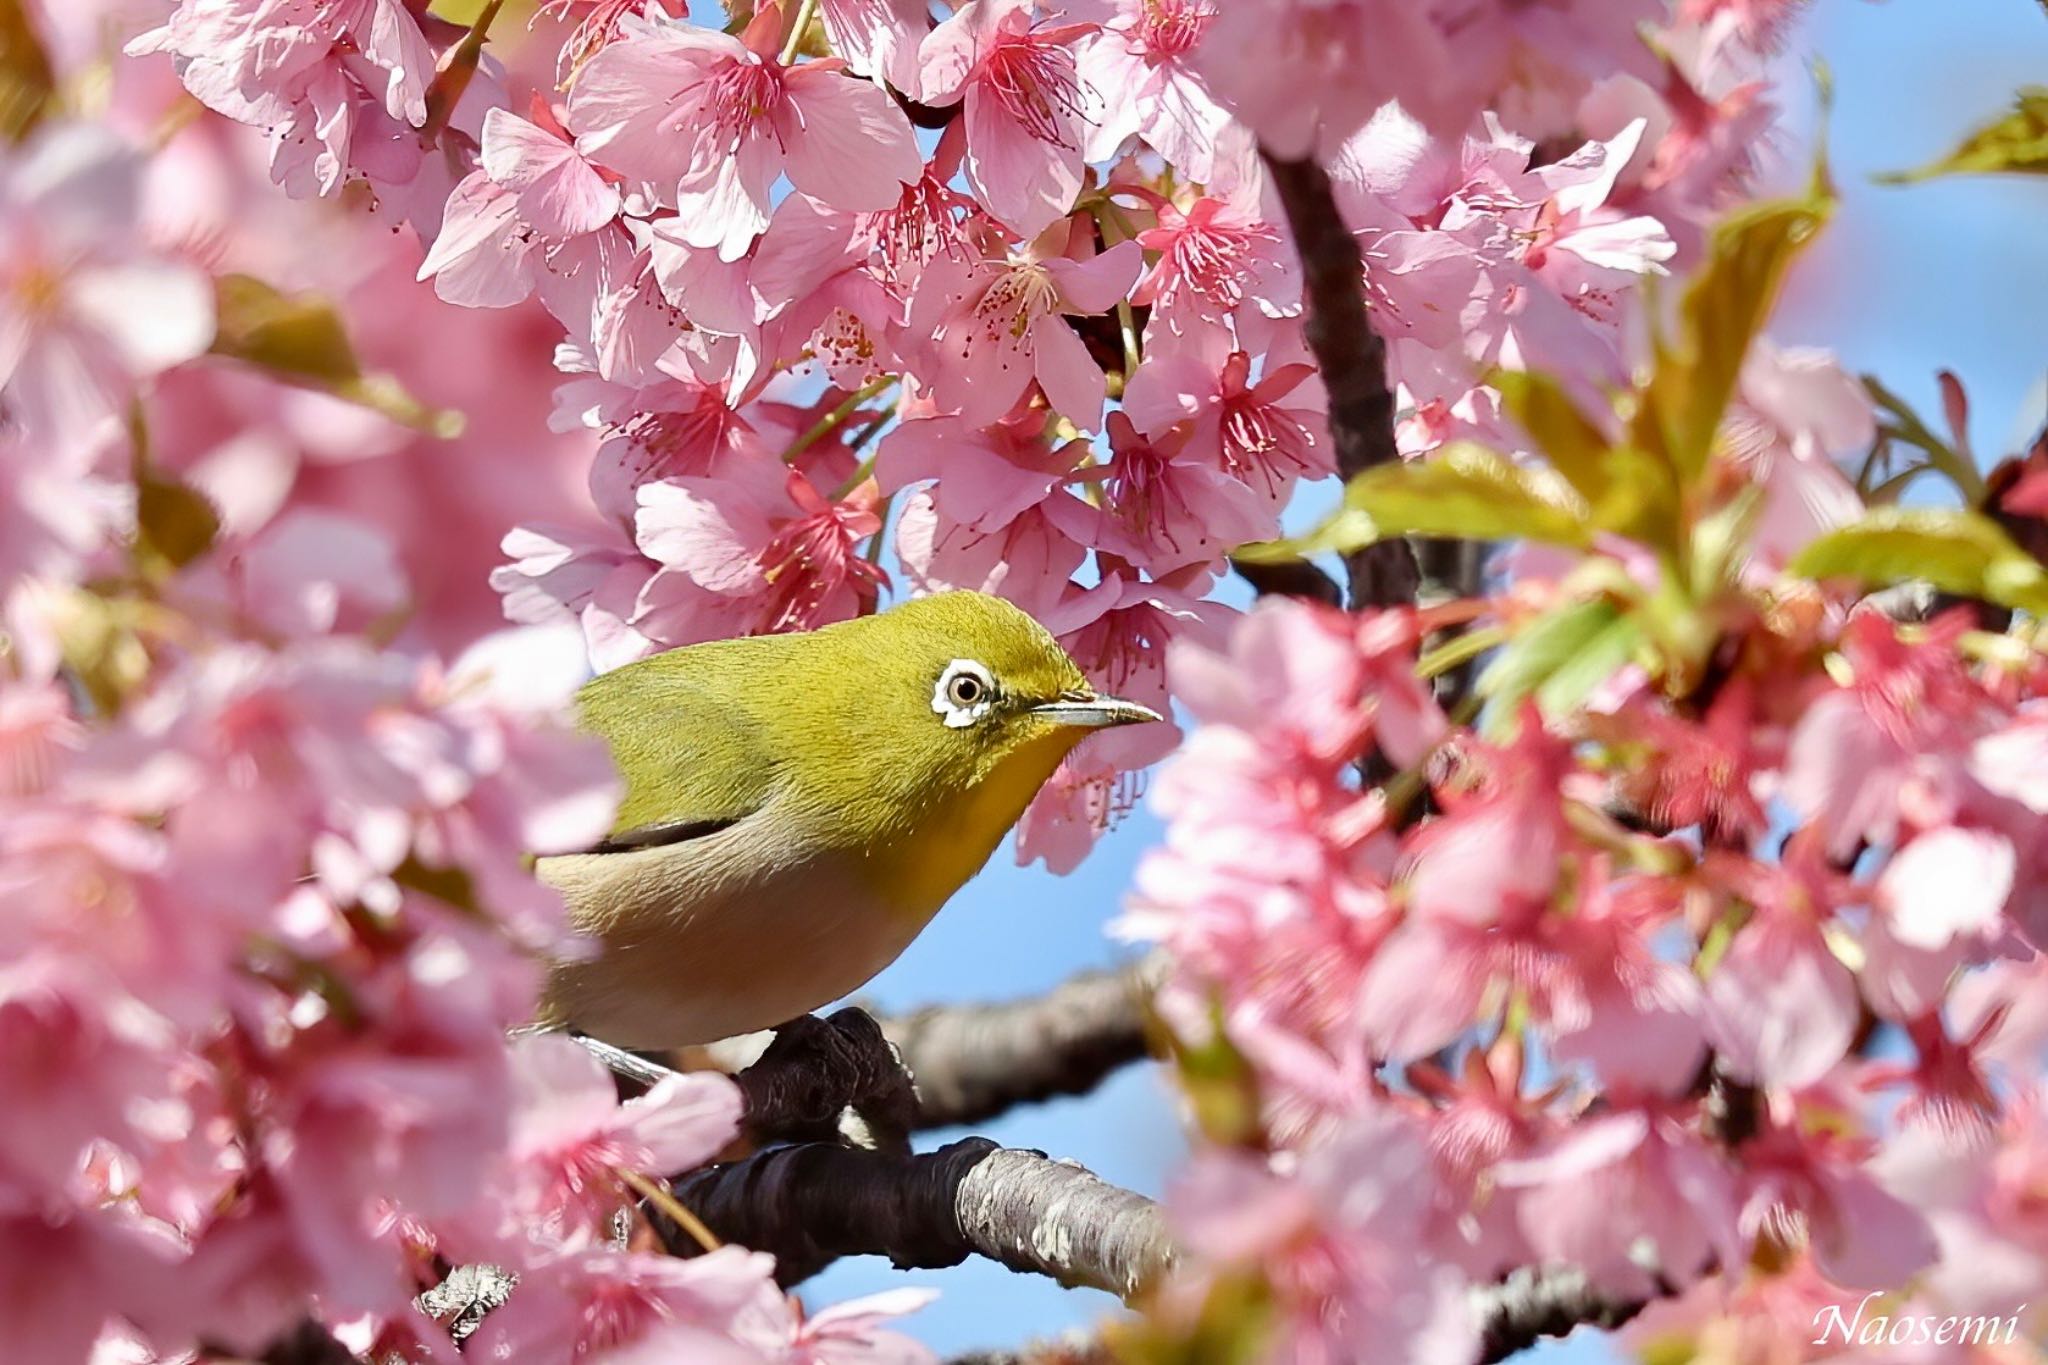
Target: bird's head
point(966, 693)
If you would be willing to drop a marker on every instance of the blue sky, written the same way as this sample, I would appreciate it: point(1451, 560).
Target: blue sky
point(1908, 280)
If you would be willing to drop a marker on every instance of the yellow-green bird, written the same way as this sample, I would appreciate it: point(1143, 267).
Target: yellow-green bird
point(798, 807)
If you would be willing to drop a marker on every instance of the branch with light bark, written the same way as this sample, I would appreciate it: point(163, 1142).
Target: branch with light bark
point(973, 1062)
point(812, 1203)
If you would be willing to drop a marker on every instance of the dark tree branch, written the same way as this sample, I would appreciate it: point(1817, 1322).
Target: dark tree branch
point(811, 1204)
point(1353, 360)
point(812, 1072)
point(462, 1300)
point(973, 1062)
point(309, 1343)
point(816, 1069)
point(1083, 1351)
point(966, 1062)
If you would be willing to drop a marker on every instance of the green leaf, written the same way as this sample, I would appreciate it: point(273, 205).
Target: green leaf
point(173, 520)
point(449, 885)
point(1569, 439)
point(1551, 648)
point(1221, 1086)
point(1901, 423)
point(1232, 1325)
point(1681, 408)
point(2018, 142)
point(1597, 660)
point(1630, 492)
point(26, 80)
point(301, 340)
point(1462, 491)
point(1958, 552)
point(1346, 530)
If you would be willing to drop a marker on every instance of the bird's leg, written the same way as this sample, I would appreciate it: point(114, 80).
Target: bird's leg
point(885, 1094)
point(816, 1068)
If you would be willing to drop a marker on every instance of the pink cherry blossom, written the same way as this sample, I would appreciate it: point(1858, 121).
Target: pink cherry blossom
point(571, 1137)
point(1783, 1008)
point(338, 88)
point(1141, 62)
point(1258, 59)
point(1215, 258)
point(1799, 412)
point(996, 326)
point(878, 38)
point(1898, 733)
point(555, 189)
point(1162, 509)
point(248, 56)
point(985, 524)
point(604, 1304)
point(87, 311)
point(1335, 1239)
point(706, 123)
point(1537, 60)
point(1026, 105)
point(764, 557)
point(852, 1333)
point(986, 477)
point(1266, 434)
point(37, 729)
point(1818, 1184)
point(1947, 882)
point(57, 1271)
point(1615, 1185)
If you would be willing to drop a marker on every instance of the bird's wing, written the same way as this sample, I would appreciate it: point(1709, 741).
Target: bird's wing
point(692, 764)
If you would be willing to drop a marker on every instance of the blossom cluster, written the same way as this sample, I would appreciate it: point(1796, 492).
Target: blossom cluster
point(269, 791)
point(1713, 973)
point(1729, 992)
point(1599, 909)
point(1009, 294)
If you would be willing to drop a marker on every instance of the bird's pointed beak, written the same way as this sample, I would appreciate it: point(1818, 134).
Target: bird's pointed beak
point(1095, 712)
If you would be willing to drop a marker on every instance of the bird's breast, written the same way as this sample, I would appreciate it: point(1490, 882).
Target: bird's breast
point(918, 870)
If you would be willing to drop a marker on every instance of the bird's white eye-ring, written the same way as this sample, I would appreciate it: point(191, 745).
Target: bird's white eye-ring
point(965, 692)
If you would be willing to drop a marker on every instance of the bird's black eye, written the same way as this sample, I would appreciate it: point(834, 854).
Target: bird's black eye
point(966, 690)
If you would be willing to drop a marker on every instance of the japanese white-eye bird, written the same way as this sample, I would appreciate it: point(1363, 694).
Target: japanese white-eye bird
point(798, 807)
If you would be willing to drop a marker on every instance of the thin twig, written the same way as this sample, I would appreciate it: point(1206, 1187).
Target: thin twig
point(825, 425)
point(620, 1062)
point(1292, 578)
point(795, 44)
point(659, 1195)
